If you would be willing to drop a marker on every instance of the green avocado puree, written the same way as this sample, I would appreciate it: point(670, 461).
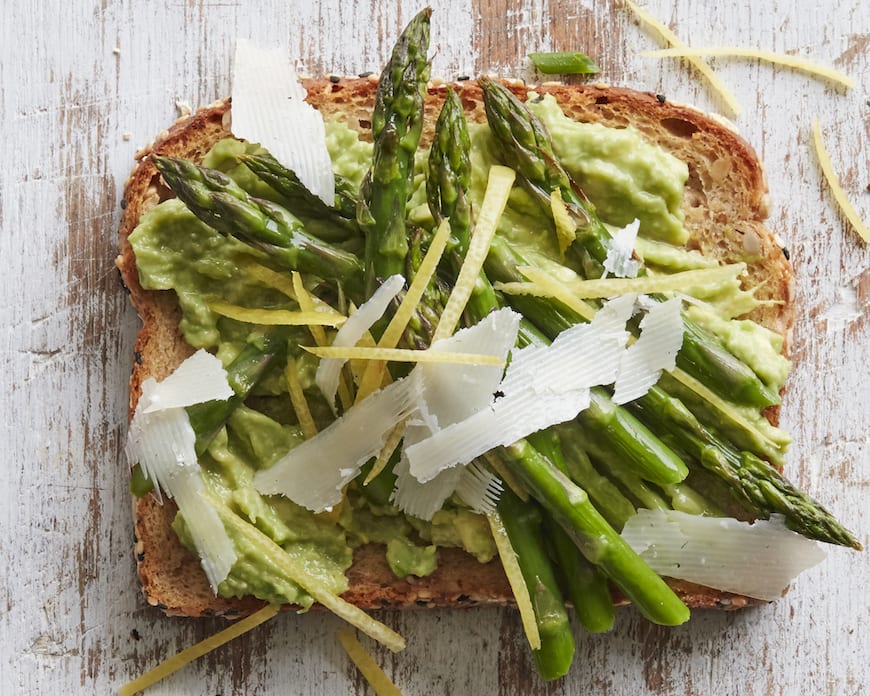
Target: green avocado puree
point(625, 177)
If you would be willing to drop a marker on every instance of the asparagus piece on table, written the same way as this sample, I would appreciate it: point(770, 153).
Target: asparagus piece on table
point(397, 122)
point(527, 147)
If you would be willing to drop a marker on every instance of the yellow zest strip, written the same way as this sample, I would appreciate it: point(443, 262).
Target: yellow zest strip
point(515, 577)
point(366, 664)
point(498, 188)
point(269, 278)
point(275, 556)
point(374, 375)
point(300, 403)
point(683, 281)
point(402, 355)
point(566, 228)
point(831, 177)
point(801, 64)
point(306, 304)
point(392, 442)
point(188, 655)
point(702, 67)
point(557, 289)
point(276, 317)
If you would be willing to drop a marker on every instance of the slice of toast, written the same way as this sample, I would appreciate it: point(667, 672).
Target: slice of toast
point(725, 204)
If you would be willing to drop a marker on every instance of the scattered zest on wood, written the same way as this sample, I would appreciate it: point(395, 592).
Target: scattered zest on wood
point(366, 664)
point(802, 64)
point(839, 194)
point(702, 67)
point(188, 655)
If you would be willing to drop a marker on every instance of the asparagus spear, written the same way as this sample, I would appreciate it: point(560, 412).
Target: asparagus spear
point(527, 147)
point(397, 122)
point(219, 202)
point(754, 481)
point(522, 522)
point(337, 223)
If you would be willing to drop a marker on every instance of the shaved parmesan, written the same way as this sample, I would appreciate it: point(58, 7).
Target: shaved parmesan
point(329, 370)
point(498, 189)
point(661, 336)
point(313, 473)
point(269, 108)
point(619, 252)
point(544, 385)
point(795, 62)
point(757, 560)
point(198, 379)
point(839, 194)
point(451, 394)
point(479, 488)
point(665, 33)
point(162, 441)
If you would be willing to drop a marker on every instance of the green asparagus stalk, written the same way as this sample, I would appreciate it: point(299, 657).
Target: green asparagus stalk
point(219, 202)
point(527, 147)
point(397, 122)
point(522, 522)
point(754, 481)
point(336, 223)
point(570, 506)
point(584, 584)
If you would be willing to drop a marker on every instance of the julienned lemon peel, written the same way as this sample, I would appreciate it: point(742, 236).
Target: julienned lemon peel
point(803, 64)
point(702, 67)
point(836, 189)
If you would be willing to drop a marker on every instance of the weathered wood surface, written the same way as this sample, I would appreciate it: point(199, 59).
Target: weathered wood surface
point(84, 84)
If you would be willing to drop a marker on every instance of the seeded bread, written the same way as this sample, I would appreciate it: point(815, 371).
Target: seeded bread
point(725, 204)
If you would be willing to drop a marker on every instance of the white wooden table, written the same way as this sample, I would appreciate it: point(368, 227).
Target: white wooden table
point(84, 84)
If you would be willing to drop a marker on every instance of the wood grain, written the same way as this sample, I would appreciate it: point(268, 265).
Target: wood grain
point(84, 85)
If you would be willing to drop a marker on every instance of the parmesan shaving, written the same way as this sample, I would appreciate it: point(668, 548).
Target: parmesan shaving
point(328, 372)
point(837, 190)
point(390, 445)
point(194, 652)
point(269, 108)
point(451, 394)
point(162, 441)
point(278, 317)
point(620, 248)
point(801, 64)
point(401, 355)
point(702, 67)
point(757, 560)
point(515, 578)
point(313, 473)
point(374, 374)
point(366, 664)
point(498, 188)
point(479, 488)
point(661, 336)
point(198, 379)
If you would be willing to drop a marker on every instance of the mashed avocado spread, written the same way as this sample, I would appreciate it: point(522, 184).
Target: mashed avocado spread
point(624, 176)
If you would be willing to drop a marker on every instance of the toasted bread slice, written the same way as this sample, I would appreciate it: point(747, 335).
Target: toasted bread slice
point(725, 204)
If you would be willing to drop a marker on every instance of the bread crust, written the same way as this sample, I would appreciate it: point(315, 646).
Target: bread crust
point(725, 204)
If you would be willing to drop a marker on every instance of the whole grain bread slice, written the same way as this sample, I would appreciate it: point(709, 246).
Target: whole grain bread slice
point(725, 204)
